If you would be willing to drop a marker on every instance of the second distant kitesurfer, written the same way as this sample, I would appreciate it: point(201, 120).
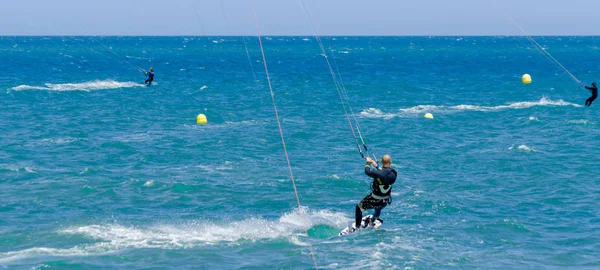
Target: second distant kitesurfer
point(594, 91)
point(150, 75)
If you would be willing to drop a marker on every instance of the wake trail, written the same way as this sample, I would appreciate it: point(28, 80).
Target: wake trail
point(111, 238)
point(420, 109)
point(83, 86)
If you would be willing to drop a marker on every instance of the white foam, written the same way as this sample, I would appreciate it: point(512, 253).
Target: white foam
point(42, 251)
point(225, 166)
point(133, 137)
point(226, 124)
point(581, 122)
point(420, 109)
point(376, 113)
point(65, 140)
point(15, 169)
point(149, 183)
point(523, 148)
point(114, 237)
point(84, 86)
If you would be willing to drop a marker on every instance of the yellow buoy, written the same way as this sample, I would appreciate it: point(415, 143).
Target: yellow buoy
point(201, 119)
point(429, 116)
point(526, 79)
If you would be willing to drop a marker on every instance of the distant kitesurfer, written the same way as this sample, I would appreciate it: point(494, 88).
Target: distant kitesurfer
point(594, 91)
point(150, 75)
point(383, 178)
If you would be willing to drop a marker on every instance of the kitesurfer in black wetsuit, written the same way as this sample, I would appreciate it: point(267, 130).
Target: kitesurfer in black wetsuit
point(383, 178)
point(594, 91)
point(150, 75)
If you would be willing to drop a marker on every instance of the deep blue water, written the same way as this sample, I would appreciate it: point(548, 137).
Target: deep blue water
point(99, 172)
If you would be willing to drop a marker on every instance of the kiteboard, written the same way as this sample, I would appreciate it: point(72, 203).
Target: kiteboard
point(364, 224)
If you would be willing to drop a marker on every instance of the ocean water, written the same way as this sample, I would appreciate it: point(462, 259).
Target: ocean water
point(98, 171)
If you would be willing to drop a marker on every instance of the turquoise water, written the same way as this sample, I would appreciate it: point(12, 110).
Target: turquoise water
point(99, 172)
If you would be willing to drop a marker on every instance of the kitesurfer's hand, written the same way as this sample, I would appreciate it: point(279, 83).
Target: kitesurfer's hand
point(369, 160)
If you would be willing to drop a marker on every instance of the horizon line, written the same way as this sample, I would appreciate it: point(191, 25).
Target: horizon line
point(502, 35)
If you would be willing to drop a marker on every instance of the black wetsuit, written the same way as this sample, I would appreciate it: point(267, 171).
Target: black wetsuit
point(150, 77)
point(381, 191)
point(594, 90)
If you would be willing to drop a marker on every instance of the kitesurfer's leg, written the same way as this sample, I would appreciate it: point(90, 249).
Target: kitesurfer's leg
point(589, 101)
point(358, 216)
point(377, 213)
point(367, 202)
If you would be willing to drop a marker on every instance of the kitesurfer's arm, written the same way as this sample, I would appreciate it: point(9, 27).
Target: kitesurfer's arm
point(384, 176)
point(368, 171)
point(589, 88)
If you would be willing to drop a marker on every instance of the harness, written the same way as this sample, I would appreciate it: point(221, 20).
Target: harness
point(383, 189)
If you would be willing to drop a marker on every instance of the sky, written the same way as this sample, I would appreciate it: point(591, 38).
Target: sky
point(287, 17)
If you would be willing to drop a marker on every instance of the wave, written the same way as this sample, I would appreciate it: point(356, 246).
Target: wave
point(377, 113)
point(226, 124)
point(523, 148)
point(581, 122)
point(149, 183)
point(226, 166)
point(53, 141)
point(16, 169)
point(84, 86)
point(114, 237)
point(421, 109)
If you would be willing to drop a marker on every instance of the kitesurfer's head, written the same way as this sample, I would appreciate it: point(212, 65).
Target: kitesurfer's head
point(386, 160)
point(594, 83)
point(152, 69)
